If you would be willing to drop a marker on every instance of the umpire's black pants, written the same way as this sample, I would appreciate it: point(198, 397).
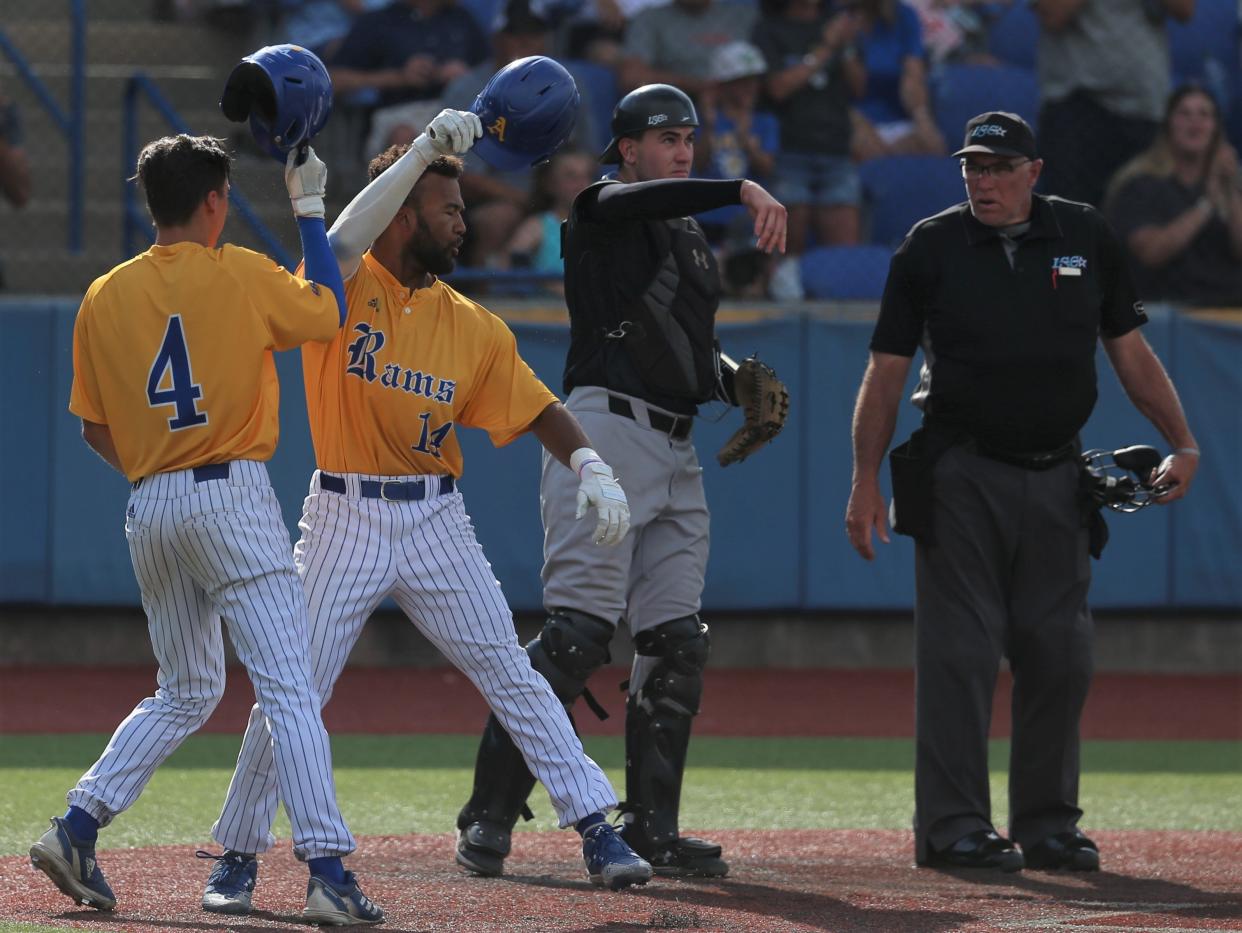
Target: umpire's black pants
point(1008, 575)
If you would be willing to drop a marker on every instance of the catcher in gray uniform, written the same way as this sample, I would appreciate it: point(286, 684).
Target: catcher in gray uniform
point(642, 288)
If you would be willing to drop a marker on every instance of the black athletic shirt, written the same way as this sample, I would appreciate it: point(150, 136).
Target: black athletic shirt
point(1010, 351)
point(612, 248)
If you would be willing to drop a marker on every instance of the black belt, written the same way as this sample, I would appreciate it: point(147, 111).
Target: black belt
point(673, 425)
point(1039, 460)
point(390, 491)
point(211, 471)
point(201, 474)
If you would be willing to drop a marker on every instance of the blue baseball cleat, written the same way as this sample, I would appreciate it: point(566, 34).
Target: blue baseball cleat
point(609, 861)
point(232, 881)
point(71, 865)
point(329, 904)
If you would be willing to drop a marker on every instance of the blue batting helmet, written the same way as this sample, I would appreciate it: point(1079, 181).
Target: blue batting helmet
point(527, 110)
point(286, 93)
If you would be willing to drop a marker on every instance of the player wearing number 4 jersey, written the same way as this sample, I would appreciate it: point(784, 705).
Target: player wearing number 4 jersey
point(414, 361)
point(176, 388)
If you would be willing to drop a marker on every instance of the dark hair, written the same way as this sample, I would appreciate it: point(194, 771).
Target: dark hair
point(178, 172)
point(1180, 93)
point(446, 165)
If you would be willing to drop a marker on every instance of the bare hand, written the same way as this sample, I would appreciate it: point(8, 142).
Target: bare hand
point(769, 214)
point(1174, 474)
point(841, 30)
point(418, 70)
point(866, 511)
point(1225, 163)
point(451, 69)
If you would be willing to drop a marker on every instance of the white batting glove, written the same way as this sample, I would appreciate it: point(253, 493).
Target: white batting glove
point(306, 183)
point(599, 489)
point(453, 132)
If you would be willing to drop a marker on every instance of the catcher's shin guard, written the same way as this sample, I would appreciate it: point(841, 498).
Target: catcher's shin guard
point(657, 730)
point(569, 648)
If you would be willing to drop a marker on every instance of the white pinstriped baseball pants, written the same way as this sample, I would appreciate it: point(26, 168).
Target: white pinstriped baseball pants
point(203, 551)
point(353, 553)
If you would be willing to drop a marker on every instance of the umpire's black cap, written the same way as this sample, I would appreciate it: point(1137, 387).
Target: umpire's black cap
point(998, 133)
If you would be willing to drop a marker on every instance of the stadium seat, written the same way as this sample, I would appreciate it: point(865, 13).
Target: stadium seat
point(598, 87)
point(901, 190)
point(484, 13)
point(845, 273)
point(1013, 35)
point(1211, 36)
point(959, 92)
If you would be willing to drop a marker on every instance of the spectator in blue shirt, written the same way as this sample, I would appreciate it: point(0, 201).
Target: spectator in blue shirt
point(894, 116)
point(407, 52)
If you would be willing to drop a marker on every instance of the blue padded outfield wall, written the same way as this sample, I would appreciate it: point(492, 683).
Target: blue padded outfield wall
point(778, 539)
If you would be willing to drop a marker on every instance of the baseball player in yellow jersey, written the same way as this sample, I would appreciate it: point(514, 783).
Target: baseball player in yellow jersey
point(414, 361)
point(175, 386)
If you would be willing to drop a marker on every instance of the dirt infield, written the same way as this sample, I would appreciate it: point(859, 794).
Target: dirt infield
point(788, 881)
point(774, 702)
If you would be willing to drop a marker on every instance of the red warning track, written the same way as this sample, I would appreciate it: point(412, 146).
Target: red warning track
point(736, 703)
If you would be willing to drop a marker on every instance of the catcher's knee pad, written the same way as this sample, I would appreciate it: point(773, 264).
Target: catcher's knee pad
point(675, 682)
point(569, 649)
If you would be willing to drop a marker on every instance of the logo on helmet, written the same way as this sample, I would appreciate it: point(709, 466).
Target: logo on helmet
point(657, 118)
point(529, 108)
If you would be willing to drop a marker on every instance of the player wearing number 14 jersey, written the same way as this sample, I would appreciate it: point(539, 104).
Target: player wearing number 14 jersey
point(415, 361)
point(174, 381)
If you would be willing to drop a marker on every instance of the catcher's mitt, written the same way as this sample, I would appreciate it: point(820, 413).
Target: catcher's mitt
point(764, 401)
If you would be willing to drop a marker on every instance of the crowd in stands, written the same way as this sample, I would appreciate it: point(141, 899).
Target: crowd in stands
point(842, 108)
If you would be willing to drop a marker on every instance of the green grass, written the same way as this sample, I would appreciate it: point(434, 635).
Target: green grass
point(404, 784)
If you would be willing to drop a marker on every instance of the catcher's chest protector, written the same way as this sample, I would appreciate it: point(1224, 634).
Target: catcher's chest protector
point(674, 342)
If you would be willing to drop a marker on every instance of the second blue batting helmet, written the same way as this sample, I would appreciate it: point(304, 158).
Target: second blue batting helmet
point(528, 110)
point(285, 92)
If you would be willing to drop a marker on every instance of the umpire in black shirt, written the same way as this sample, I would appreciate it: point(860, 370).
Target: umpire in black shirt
point(1006, 294)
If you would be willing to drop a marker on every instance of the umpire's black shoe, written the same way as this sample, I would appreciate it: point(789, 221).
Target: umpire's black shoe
point(684, 857)
point(1070, 850)
point(983, 848)
point(482, 847)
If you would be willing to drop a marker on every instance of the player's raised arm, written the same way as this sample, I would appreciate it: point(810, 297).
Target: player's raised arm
point(306, 177)
point(452, 132)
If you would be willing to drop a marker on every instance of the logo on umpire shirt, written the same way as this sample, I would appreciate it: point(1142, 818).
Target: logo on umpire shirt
point(1069, 265)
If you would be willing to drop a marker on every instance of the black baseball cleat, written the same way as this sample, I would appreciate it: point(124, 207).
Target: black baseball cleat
point(684, 857)
point(984, 848)
point(482, 847)
point(1070, 850)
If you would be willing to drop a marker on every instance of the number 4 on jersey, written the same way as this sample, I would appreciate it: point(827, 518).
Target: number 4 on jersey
point(182, 391)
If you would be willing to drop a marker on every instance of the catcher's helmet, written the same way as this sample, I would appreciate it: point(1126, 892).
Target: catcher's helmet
point(286, 93)
point(645, 108)
point(527, 109)
point(1119, 478)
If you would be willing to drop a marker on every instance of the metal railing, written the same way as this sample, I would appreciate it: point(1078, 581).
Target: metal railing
point(134, 221)
point(72, 124)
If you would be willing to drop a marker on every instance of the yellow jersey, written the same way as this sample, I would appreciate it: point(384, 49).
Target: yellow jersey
point(405, 370)
point(172, 350)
